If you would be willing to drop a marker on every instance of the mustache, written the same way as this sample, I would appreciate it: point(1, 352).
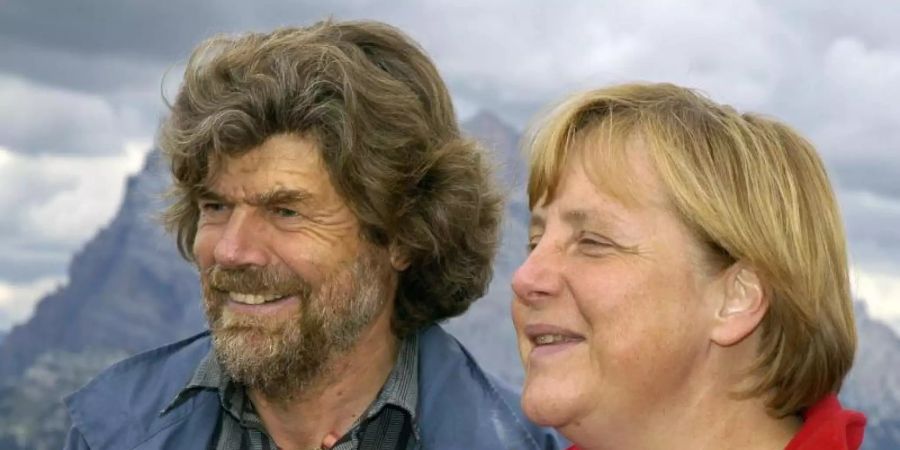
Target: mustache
point(256, 280)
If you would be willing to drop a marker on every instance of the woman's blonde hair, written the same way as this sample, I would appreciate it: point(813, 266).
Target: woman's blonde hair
point(752, 189)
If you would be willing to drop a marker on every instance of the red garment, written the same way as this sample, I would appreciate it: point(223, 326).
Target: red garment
point(826, 426)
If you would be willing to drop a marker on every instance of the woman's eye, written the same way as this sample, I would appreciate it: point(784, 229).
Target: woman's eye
point(532, 243)
point(592, 245)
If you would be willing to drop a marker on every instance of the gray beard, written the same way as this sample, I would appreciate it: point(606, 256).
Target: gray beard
point(283, 358)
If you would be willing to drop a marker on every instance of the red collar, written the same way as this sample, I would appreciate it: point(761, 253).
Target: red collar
point(827, 425)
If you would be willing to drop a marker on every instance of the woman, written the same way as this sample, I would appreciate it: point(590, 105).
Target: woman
point(686, 286)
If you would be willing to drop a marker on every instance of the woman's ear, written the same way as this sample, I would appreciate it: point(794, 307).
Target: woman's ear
point(741, 307)
point(399, 258)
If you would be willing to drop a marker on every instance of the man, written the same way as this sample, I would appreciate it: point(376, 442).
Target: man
point(323, 190)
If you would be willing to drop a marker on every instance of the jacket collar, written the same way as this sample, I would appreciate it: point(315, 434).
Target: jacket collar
point(457, 404)
point(460, 405)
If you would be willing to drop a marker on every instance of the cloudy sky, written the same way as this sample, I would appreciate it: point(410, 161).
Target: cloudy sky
point(81, 85)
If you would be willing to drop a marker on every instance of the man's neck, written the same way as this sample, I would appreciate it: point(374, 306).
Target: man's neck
point(329, 407)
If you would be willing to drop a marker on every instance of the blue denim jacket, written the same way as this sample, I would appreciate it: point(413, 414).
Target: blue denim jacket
point(460, 406)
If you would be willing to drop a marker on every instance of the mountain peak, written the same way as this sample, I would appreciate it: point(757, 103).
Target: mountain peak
point(486, 116)
point(487, 120)
point(503, 142)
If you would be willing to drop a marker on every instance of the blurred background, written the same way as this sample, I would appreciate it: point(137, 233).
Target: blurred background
point(87, 276)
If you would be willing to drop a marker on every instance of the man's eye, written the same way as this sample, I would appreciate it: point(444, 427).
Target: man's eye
point(213, 212)
point(286, 213)
point(212, 207)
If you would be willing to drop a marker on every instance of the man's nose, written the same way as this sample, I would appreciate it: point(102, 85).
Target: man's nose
point(243, 243)
point(539, 278)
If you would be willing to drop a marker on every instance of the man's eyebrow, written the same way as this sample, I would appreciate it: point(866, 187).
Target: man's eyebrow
point(269, 198)
point(209, 195)
point(279, 197)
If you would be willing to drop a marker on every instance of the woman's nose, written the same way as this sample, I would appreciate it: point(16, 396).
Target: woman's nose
point(539, 277)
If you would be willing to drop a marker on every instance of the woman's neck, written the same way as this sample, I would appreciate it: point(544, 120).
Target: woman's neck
point(703, 413)
point(707, 424)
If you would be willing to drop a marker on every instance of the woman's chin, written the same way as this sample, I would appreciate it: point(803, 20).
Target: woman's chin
point(548, 406)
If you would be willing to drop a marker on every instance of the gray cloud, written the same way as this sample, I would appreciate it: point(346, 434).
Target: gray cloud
point(872, 224)
point(880, 176)
point(142, 29)
point(54, 204)
point(25, 262)
point(80, 78)
point(26, 255)
point(90, 72)
point(39, 119)
point(105, 46)
point(133, 28)
point(872, 20)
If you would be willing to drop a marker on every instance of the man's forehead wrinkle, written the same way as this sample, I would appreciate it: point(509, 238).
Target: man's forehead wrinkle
point(204, 190)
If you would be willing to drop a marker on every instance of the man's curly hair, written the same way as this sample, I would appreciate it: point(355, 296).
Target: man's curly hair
point(384, 123)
